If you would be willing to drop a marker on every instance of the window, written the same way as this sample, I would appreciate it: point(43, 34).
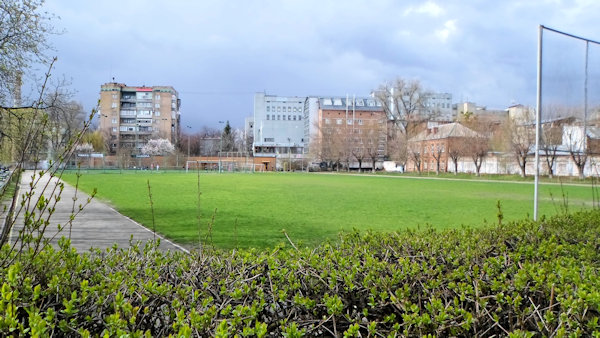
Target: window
point(157, 97)
point(114, 129)
point(289, 109)
point(113, 105)
point(278, 117)
point(268, 117)
point(289, 117)
point(338, 121)
point(294, 117)
point(157, 105)
point(268, 108)
point(113, 121)
point(360, 122)
point(157, 113)
point(327, 121)
point(278, 109)
point(284, 117)
point(295, 109)
point(269, 139)
point(299, 117)
point(349, 121)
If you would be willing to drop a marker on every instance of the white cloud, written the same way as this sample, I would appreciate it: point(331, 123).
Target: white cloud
point(444, 33)
point(429, 8)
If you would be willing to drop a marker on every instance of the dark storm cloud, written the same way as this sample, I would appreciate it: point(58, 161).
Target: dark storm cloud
point(216, 54)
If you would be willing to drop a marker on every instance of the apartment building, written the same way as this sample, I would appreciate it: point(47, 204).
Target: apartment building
point(131, 115)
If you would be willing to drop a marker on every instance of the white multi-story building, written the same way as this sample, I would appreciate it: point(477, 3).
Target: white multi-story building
point(278, 126)
point(438, 106)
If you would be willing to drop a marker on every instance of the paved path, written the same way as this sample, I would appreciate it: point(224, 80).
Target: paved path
point(97, 226)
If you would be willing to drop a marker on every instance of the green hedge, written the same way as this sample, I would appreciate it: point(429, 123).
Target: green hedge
point(520, 278)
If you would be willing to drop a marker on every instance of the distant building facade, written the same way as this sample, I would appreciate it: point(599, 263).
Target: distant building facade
point(130, 115)
point(278, 127)
point(349, 129)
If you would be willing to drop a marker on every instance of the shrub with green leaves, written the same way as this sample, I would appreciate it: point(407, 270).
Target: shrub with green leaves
point(518, 279)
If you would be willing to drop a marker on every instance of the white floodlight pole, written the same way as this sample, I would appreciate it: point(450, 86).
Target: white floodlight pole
point(538, 117)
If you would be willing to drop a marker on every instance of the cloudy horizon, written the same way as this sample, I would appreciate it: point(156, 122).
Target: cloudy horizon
point(218, 54)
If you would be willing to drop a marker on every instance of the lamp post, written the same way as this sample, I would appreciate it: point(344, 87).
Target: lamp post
point(137, 149)
point(220, 147)
point(289, 154)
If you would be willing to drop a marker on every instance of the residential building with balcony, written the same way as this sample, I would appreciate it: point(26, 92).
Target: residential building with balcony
point(131, 115)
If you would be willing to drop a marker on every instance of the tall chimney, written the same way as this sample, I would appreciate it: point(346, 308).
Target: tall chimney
point(17, 89)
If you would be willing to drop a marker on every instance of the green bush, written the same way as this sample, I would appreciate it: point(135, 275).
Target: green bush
point(517, 279)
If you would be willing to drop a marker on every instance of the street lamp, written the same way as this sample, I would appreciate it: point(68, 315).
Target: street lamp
point(137, 149)
point(220, 148)
point(289, 154)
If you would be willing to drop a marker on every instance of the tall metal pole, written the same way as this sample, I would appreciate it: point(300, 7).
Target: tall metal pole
point(538, 117)
point(190, 128)
point(585, 102)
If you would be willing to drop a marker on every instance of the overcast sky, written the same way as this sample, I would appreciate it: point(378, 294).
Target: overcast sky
point(217, 54)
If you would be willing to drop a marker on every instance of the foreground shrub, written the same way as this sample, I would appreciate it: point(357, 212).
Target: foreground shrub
point(518, 278)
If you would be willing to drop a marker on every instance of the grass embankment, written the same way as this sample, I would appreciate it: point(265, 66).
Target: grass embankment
point(252, 209)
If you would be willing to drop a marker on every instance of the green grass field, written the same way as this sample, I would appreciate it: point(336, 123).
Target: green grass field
point(252, 209)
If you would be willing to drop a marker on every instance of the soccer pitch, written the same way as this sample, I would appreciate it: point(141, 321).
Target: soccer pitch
point(251, 210)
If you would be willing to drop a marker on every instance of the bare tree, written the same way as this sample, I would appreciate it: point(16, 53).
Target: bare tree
point(372, 136)
point(65, 118)
point(436, 152)
point(456, 150)
point(397, 142)
point(415, 155)
point(576, 144)
point(477, 150)
point(520, 138)
point(550, 142)
point(403, 102)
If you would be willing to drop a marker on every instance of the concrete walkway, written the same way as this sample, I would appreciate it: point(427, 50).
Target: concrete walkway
point(97, 226)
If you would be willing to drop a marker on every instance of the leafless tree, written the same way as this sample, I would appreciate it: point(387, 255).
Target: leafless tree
point(403, 102)
point(415, 155)
point(576, 144)
point(550, 141)
point(520, 138)
point(456, 150)
point(65, 117)
point(372, 133)
point(436, 152)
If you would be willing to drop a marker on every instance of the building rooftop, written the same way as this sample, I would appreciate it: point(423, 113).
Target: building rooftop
point(358, 103)
point(445, 131)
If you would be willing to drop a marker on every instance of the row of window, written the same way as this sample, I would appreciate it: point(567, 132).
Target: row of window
point(128, 128)
point(283, 117)
point(435, 148)
point(128, 112)
point(360, 122)
point(141, 96)
point(138, 105)
point(280, 109)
